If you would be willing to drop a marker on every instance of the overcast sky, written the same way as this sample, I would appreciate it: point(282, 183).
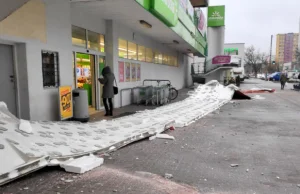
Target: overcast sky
point(254, 21)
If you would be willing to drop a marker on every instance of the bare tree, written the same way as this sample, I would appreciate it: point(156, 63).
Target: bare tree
point(254, 59)
point(297, 55)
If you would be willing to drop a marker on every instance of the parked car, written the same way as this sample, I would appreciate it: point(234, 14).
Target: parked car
point(247, 76)
point(275, 76)
point(260, 76)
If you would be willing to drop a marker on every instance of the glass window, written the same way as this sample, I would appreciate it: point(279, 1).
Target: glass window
point(94, 41)
point(50, 69)
point(78, 36)
point(132, 51)
point(157, 57)
point(173, 61)
point(165, 59)
point(123, 48)
point(141, 53)
point(102, 43)
point(149, 55)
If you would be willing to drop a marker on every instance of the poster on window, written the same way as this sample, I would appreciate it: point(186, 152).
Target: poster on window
point(127, 71)
point(202, 23)
point(138, 72)
point(121, 71)
point(133, 72)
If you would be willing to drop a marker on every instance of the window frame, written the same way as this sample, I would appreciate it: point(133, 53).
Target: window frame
point(55, 71)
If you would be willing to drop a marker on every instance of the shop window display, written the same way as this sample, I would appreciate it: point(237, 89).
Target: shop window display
point(149, 55)
point(123, 49)
point(141, 53)
point(132, 51)
point(165, 59)
point(158, 57)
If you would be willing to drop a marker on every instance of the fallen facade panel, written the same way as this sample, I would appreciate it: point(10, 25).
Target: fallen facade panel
point(60, 141)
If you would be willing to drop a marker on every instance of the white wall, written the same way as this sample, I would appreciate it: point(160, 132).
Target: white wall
point(43, 103)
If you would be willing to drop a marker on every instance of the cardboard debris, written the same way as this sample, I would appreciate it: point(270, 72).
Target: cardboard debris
point(82, 164)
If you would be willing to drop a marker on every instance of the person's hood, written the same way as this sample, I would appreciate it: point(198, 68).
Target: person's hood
point(106, 70)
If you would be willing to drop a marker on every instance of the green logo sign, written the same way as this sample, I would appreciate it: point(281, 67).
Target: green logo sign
point(166, 10)
point(216, 16)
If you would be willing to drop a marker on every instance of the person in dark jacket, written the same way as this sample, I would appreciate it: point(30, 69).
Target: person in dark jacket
point(283, 80)
point(108, 89)
point(238, 81)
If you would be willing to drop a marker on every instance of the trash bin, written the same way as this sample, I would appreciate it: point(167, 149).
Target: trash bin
point(80, 105)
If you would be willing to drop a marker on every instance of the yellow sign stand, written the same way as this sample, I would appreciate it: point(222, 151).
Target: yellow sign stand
point(65, 102)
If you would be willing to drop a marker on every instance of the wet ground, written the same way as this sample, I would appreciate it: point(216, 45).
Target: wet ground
point(261, 136)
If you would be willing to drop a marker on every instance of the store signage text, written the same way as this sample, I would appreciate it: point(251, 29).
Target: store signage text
point(65, 102)
point(221, 59)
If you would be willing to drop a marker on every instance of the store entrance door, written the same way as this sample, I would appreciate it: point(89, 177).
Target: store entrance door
point(7, 79)
point(101, 61)
point(85, 78)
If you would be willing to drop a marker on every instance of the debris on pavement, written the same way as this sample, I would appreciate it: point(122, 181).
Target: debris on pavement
point(165, 136)
point(258, 97)
point(168, 176)
point(262, 173)
point(247, 170)
point(68, 181)
point(152, 138)
point(25, 126)
point(82, 164)
point(298, 185)
point(234, 165)
point(278, 177)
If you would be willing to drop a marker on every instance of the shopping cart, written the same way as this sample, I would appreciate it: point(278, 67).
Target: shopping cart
point(143, 95)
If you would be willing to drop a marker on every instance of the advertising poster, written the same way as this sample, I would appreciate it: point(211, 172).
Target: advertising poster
point(127, 72)
point(202, 23)
point(133, 72)
point(121, 71)
point(138, 72)
point(65, 102)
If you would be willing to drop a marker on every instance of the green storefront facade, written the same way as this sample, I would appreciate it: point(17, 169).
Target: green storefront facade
point(171, 14)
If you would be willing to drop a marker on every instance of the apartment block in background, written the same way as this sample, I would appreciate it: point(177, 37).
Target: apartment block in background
point(286, 46)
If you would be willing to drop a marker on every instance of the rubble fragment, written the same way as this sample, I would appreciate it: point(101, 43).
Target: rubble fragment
point(165, 136)
point(25, 126)
point(234, 165)
point(82, 164)
point(168, 176)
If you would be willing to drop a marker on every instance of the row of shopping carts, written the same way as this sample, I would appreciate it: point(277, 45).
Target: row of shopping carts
point(151, 95)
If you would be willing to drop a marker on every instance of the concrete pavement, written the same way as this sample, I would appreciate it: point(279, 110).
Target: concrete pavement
point(261, 136)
